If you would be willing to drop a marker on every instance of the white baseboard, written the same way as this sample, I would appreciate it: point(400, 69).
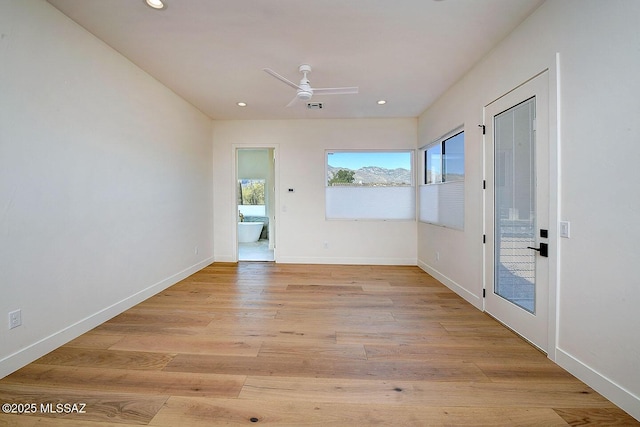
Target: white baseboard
point(229, 258)
point(621, 397)
point(345, 261)
point(475, 300)
point(603, 385)
point(32, 352)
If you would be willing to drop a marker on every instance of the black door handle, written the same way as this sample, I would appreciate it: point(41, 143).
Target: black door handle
point(543, 249)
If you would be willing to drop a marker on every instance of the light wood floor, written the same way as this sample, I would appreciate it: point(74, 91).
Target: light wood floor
point(295, 345)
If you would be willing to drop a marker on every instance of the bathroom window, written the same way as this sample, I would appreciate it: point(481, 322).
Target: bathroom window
point(251, 199)
point(369, 184)
point(442, 189)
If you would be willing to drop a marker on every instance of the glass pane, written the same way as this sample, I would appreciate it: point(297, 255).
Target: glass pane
point(369, 168)
point(515, 222)
point(433, 161)
point(251, 197)
point(453, 158)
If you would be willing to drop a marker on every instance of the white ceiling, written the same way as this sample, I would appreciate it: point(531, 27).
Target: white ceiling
point(212, 52)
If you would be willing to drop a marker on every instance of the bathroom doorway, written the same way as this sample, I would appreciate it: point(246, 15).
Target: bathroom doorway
point(255, 203)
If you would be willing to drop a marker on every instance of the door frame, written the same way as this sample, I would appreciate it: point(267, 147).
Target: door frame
point(234, 195)
point(554, 142)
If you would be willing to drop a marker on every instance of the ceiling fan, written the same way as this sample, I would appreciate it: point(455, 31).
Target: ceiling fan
point(304, 91)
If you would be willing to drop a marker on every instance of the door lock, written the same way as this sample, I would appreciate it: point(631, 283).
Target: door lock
point(543, 249)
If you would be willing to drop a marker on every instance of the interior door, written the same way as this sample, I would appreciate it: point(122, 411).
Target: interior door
point(517, 210)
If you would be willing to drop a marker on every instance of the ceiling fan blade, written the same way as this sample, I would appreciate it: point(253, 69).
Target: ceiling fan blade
point(293, 102)
point(335, 90)
point(282, 79)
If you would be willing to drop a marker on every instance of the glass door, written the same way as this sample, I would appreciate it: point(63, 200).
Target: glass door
point(515, 205)
point(517, 210)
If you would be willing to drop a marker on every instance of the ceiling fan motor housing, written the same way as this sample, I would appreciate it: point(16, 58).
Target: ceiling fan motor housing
point(305, 95)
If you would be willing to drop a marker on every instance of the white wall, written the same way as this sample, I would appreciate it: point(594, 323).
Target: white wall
point(301, 228)
point(598, 292)
point(105, 182)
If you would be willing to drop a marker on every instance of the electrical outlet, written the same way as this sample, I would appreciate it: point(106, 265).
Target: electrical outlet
point(326, 245)
point(15, 319)
point(437, 256)
point(195, 250)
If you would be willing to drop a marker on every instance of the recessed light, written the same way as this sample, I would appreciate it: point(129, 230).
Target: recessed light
point(382, 102)
point(156, 4)
point(241, 104)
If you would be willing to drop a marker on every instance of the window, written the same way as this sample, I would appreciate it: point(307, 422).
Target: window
point(442, 191)
point(369, 185)
point(251, 200)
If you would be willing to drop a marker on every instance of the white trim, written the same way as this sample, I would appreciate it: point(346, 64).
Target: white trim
point(475, 300)
point(554, 206)
point(554, 202)
point(600, 383)
point(346, 261)
point(32, 352)
point(226, 258)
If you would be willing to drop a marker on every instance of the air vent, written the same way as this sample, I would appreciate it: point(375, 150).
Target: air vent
point(314, 105)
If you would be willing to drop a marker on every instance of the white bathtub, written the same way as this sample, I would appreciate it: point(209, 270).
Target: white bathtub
point(249, 231)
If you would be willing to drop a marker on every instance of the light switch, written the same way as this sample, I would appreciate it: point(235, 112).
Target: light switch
point(565, 229)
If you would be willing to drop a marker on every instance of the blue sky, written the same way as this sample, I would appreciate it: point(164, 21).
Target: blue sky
point(358, 159)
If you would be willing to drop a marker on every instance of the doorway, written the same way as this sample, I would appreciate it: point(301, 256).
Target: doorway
point(517, 210)
point(255, 204)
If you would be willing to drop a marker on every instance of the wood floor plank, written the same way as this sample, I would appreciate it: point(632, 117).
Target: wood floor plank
point(306, 351)
point(476, 352)
point(198, 344)
point(430, 393)
point(206, 412)
point(95, 340)
point(128, 330)
point(310, 367)
point(329, 288)
point(340, 317)
point(294, 344)
point(94, 358)
point(367, 337)
point(62, 421)
point(596, 417)
point(305, 300)
point(519, 369)
point(437, 313)
point(311, 332)
point(149, 316)
point(488, 330)
point(98, 406)
point(129, 381)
